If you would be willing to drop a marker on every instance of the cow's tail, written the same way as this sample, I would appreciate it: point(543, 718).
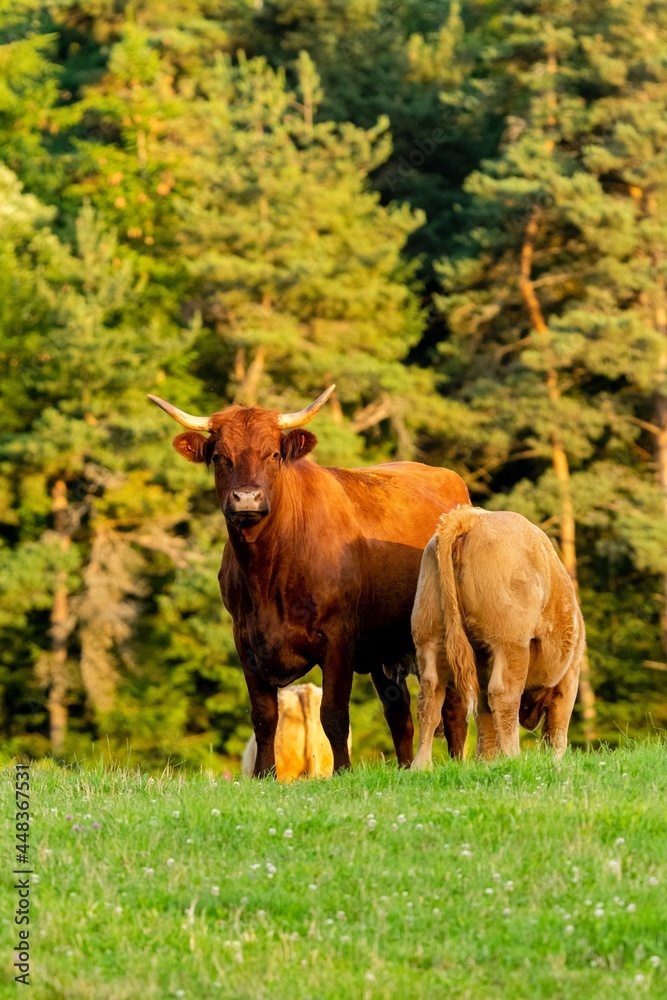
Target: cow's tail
point(453, 526)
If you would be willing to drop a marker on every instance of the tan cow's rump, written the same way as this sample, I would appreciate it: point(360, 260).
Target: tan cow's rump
point(302, 748)
point(496, 607)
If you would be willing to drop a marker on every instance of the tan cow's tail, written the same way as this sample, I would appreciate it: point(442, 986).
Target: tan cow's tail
point(460, 656)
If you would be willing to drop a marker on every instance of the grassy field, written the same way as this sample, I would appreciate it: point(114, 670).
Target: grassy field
point(521, 879)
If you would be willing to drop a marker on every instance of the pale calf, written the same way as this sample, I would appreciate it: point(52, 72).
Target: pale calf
point(496, 607)
point(302, 748)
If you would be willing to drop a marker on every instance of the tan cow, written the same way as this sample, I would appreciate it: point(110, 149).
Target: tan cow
point(496, 606)
point(302, 749)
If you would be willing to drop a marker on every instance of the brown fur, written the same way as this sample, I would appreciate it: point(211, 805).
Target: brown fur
point(496, 606)
point(302, 749)
point(320, 568)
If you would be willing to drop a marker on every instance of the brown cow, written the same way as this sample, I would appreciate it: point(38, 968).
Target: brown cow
point(321, 565)
point(302, 749)
point(495, 604)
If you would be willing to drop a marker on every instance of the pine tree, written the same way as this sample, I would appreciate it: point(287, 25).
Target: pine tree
point(548, 339)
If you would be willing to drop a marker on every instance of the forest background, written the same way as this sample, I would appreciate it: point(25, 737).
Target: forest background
point(455, 211)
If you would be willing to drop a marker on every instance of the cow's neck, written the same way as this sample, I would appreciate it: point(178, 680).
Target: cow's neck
point(262, 551)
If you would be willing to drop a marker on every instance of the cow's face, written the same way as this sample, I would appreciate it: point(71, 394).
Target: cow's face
point(249, 450)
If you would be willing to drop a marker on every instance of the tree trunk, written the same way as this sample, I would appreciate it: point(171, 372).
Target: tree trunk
point(559, 458)
point(660, 419)
point(60, 629)
point(248, 389)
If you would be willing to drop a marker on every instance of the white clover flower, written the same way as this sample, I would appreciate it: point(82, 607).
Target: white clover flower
point(436, 911)
point(149, 871)
point(215, 890)
point(176, 813)
point(287, 834)
point(170, 862)
point(419, 826)
point(509, 886)
point(372, 823)
point(189, 841)
point(653, 880)
point(506, 911)
point(394, 826)
point(255, 866)
point(341, 915)
point(271, 869)
point(272, 831)
point(401, 818)
point(466, 854)
point(496, 876)
point(328, 921)
point(488, 891)
point(215, 812)
point(639, 978)
point(655, 961)
point(118, 909)
point(631, 908)
point(312, 887)
point(569, 929)
point(619, 841)
point(370, 977)
point(614, 866)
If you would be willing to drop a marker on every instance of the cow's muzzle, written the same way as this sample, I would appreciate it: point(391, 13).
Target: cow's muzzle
point(246, 505)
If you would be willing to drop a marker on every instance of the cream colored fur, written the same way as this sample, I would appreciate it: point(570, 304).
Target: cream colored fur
point(302, 748)
point(495, 604)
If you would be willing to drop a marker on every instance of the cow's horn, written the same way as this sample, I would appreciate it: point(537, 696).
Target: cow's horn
point(287, 420)
point(186, 419)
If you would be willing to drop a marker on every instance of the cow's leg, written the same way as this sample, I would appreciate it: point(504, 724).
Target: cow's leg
point(487, 743)
point(335, 708)
point(395, 699)
point(454, 723)
point(430, 699)
point(264, 718)
point(559, 710)
point(508, 680)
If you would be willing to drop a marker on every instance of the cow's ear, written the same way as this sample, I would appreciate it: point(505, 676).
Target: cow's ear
point(297, 444)
point(193, 446)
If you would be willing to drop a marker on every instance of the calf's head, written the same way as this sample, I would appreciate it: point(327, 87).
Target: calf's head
point(248, 448)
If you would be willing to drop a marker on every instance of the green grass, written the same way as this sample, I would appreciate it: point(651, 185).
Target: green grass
point(520, 879)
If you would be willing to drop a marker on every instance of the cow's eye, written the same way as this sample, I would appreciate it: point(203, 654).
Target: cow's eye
point(276, 455)
point(215, 458)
